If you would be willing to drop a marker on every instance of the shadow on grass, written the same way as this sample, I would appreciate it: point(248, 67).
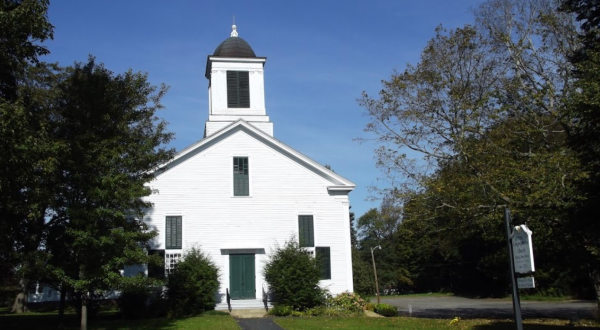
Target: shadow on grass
point(509, 325)
point(103, 321)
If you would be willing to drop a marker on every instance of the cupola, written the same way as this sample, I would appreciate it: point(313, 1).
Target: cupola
point(236, 86)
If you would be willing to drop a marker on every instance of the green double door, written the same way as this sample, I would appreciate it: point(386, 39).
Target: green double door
point(242, 282)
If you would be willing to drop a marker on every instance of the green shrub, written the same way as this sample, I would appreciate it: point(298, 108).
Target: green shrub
point(158, 305)
point(293, 277)
point(134, 297)
point(192, 286)
point(280, 310)
point(347, 302)
point(386, 310)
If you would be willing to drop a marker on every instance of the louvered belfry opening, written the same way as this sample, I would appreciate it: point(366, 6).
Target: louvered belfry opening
point(238, 89)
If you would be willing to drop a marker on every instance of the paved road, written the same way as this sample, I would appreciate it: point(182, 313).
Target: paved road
point(449, 307)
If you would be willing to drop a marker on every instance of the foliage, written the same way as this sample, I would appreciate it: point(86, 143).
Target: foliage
point(344, 304)
point(479, 124)
point(192, 287)
point(584, 107)
point(379, 227)
point(23, 26)
point(348, 302)
point(140, 297)
point(386, 310)
point(293, 277)
point(26, 152)
point(281, 310)
point(362, 274)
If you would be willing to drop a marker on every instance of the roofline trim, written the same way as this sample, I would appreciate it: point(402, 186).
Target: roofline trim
point(212, 58)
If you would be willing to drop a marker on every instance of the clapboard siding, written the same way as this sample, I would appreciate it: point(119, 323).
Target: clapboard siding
point(200, 189)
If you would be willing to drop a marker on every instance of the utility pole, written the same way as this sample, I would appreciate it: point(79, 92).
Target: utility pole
point(375, 271)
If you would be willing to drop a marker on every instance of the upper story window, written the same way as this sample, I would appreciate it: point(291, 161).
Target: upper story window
point(173, 233)
point(241, 182)
point(238, 89)
point(306, 232)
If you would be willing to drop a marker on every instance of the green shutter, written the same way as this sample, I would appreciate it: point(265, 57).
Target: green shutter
point(241, 182)
point(173, 233)
point(324, 260)
point(306, 231)
point(238, 89)
point(244, 89)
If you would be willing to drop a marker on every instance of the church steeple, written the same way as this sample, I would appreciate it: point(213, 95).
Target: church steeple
point(236, 86)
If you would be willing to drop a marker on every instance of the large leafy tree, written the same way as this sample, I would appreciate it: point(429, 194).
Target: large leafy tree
point(28, 156)
point(479, 124)
point(585, 109)
point(113, 143)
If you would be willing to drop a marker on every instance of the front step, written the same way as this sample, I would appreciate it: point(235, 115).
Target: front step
point(243, 304)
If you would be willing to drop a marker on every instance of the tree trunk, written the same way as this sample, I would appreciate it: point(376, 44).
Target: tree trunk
point(20, 304)
point(61, 306)
point(84, 302)
point(595, 275)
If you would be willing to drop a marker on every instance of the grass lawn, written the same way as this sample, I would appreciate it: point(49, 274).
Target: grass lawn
point(406, 323)
point(111, 321)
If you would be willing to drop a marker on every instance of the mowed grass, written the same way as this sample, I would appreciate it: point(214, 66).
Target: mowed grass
point(111, 321)
point(406, 323)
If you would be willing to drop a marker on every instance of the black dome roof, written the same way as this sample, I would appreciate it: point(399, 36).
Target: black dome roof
point(234, 47)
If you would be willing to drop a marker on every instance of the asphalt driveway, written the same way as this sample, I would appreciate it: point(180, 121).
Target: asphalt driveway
point(449, 307)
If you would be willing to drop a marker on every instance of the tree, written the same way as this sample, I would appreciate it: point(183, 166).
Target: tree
point(293, 277)
point(113, 144)
point(23, 25)
point(380, 227)
point(585, 109)
point(480, 123)
point(193, 285)
point(26, 154)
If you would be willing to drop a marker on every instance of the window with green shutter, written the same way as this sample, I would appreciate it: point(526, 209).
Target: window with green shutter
point(173, 233)
point(241, 182)
point(306, 231)
point(323, 254)
point(238, 89)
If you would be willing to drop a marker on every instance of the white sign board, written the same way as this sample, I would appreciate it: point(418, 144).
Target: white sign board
point(522, 249)
point(525, 282)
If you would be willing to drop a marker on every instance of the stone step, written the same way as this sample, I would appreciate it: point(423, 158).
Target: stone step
point(243, 304)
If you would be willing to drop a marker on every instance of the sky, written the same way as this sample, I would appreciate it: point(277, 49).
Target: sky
point(321, 55)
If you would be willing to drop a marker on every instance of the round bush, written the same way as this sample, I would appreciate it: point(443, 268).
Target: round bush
point(347, 301)
point(386, 310)
point(193, 285)
point(293, 277)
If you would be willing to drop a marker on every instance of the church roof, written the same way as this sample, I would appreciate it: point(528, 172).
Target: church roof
point(234, 47)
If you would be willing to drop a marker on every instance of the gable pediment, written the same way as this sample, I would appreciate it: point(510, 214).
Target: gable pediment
point(334, 182)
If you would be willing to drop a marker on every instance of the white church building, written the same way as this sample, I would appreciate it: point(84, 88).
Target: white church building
point(238, 193)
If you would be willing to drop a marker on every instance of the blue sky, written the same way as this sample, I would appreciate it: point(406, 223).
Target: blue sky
point(321, 55)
